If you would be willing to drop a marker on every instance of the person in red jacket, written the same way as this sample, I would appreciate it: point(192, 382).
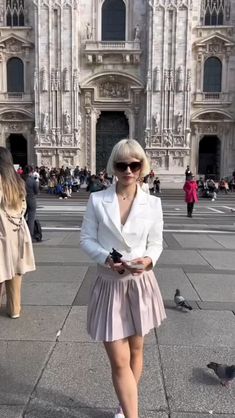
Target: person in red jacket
point(190, 188)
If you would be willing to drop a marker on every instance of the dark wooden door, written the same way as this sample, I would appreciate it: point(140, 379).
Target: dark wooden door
point(111, 128)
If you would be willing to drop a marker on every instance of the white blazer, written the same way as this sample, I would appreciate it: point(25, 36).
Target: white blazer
point(141, 236)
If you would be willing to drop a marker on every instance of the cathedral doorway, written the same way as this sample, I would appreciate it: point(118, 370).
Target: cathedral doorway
point(209, 156)
point(17, 144)
point(111, 128)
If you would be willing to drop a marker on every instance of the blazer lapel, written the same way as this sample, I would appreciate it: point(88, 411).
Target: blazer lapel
point(110, 203)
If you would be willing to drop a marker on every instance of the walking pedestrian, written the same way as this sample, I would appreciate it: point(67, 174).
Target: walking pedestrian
point(32, 188)
point(188, 173)
point(16, 252)
point(190, 188)
point(125, 300)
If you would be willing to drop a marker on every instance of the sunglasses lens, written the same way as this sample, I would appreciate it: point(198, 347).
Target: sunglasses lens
point(134, 166)
point(121, 166)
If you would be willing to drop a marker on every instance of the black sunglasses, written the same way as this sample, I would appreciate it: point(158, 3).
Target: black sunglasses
point(134, 166)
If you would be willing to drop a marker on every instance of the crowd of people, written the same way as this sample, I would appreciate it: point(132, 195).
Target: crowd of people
point(65, 180)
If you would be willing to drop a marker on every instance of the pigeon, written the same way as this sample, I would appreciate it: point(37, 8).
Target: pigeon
point(224, 372)
point(180, 301)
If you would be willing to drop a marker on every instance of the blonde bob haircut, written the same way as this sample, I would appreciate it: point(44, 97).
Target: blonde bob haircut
point(128, 148)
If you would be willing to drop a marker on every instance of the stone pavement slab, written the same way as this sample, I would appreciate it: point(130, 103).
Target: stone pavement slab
point(217, 306)
point(36, 324)
point(8, 411)
point(196, 241)
point(214, 287)
point(228, 241)
point(57, 274)
point(78, 376)
point(171, 278)
point(75, 327)
point(190, 386)
point(181, 258)
point(60, 255)
point(21, 365)
point(220, 259)
point(197, 415)
point(82, 296)
point(203, 328)
point(39, 409)
point(51, 238)
point(46, 293)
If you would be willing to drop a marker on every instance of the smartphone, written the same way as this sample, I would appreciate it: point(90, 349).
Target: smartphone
point(135, 266)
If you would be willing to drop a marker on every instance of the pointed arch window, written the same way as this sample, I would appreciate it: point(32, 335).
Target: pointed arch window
point(113, 20)
point(213, 12)
point(212, 75)
point(15, 75)
point(15, 13)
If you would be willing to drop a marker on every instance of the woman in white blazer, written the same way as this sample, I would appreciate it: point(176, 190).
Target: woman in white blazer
point(125, 300)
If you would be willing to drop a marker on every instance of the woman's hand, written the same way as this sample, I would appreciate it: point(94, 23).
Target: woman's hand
point(146, 262)
point(114, 266)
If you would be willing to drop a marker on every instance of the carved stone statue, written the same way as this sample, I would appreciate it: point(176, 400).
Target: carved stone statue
point(179, 122)
point(57, 79)
point(44, 80)
point(45, 122)
point(37, 137)
point(53, 137)
point(77, 138)
point(167, 139)
point(147, 137)
point(156, 119)
point(188, 82)
point(76, 77)
point(88, 31)
point(67, 122)
point(137, 33)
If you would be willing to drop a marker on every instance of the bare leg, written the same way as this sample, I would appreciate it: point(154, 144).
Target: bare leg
point(1, 292)
point(123, 378)
point(136, 344)
point(13, 291)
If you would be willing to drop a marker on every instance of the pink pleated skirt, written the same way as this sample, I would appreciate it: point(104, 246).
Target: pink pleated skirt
point(123, 305)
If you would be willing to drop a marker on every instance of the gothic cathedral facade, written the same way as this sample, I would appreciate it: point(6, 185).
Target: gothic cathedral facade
point(78, 75)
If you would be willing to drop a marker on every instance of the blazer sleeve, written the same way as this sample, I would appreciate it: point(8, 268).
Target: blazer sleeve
point(154, 245)
point(88, 237)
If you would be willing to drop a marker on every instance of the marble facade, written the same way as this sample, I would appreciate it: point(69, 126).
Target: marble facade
point(155, 76)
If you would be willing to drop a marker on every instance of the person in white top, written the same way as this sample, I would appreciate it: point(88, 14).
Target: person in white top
point(122, 232)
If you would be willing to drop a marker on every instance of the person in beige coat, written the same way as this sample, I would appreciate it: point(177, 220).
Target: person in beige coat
point(16, 251)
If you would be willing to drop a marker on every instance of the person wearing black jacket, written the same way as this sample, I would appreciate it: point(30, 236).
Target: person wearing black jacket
point(32, 189)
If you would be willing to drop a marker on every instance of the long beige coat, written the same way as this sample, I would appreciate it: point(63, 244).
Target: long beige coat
point(16, 250)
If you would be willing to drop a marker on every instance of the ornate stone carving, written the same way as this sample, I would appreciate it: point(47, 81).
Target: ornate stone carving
point(45, 121)
point(173, 4)
point(37, 137)
point(88, 31)
point(167, 138)
point(156, 120)
point(67, 140)
point(46, 161)
point(137, 32)
point(179, 122)
point(53, 137)
point(178, 141)
point(113, 90)
point(67, 122)
point(147, 137)
point(77, 131)
point(76, 79)
point(13, 45)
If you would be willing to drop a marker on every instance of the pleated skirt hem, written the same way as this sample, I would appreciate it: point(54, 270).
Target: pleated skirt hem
point(121, 306)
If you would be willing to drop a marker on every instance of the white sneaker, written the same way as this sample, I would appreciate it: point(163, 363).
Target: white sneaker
point(119, 413)
point(15, 316)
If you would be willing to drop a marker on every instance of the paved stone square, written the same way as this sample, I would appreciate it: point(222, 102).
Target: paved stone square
point(50, 368)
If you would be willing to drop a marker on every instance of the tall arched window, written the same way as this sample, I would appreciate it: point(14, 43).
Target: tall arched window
point(213, 12)
point(113, 20)
point(15, 75)
point(15, 12)
point(212, 75)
